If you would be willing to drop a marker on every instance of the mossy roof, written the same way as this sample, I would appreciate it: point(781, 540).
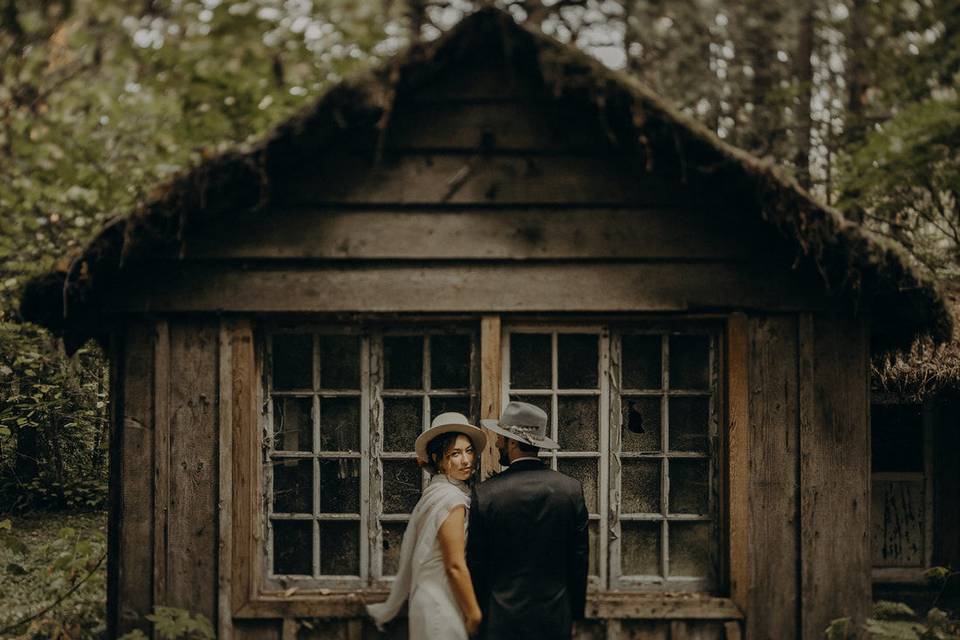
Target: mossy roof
point(853, 264)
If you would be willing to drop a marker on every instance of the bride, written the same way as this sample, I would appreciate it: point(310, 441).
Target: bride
point(433, 572)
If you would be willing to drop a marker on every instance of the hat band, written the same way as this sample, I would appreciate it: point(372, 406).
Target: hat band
point(527, 432)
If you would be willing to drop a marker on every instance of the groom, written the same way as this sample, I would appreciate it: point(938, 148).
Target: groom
point(527, 545)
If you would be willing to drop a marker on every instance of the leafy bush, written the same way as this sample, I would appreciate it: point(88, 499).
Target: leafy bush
point(171, 623)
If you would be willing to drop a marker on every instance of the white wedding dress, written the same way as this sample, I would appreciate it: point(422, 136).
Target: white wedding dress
point(433, 611)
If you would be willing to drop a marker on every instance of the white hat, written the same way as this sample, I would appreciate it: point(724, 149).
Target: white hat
point(447, 423)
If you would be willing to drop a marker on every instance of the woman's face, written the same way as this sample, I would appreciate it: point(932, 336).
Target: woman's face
point(458, 460)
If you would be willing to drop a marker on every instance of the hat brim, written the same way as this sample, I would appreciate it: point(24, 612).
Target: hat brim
point(534, 441)
point(477, 437)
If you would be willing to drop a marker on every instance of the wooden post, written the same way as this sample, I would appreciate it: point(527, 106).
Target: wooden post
point(161, 490)
point(738, 446)
point(245, 444)
point(490, 388)
point(225, 484)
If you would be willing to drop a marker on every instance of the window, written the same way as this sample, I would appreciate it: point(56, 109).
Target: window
point(635, 414)
point(901, 489)
point(344, 411)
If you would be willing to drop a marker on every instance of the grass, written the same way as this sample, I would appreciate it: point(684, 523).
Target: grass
point(59, 551)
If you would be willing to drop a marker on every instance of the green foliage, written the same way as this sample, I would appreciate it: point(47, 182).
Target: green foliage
point(176, 624)
point(896, 621)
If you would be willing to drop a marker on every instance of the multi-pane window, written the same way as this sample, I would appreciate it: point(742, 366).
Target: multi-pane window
point(636, 418)
point(344, 411)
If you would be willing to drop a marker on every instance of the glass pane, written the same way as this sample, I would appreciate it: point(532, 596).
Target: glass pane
point(689, 362)
point(292, 362)
point(449, 361)
point(689, 549)
point(293, 547)
point(593, 529)
point(392, 538)
point(897, 437)
point(401, 485)
point(340, 486)
point(460, 404)
point(640, 430)
point(640, 486)
point(640, 362)
point(340, 424)
point(897, 513)
point(640, 548)
point(340, 548)
point(689, 486)
point(578, 423)
point(293, 424)
point(293, 486)
point(530, 361)
point(587, 472)
point(339, 362)
point(577, 360)
point(403, 362)
point(402, 423)
point(689, 424)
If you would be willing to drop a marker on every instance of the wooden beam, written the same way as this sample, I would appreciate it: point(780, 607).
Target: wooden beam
point(490, 381)
point(738, 456)
point(322, 233)
point(161, 459)
point(225, 483)
point(466, 288)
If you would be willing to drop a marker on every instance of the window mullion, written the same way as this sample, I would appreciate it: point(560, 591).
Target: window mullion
point(664, 448)
point(366, 530)
point(603, 449)
point(375, 432)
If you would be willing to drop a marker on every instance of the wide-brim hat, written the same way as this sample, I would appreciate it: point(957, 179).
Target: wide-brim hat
point(523, 422)
point(450, 422)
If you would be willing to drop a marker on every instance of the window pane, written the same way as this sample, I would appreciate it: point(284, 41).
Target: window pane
point(640, 548)
point(449, 361)
point(689, 362)
point(530, 356)
point(293, 486)
point(640, 486)
point(689, 486)
point(403, 362)
point(292, 362)
point(640, 363)
point(401, 486)
point(293, 547)
point(340, 424)
point(402, 423)
point(640, 414)
point(339, 362)
point(897, 437)
point(898, 523)
point(340, 548)
point(593, 531)
point(577, 360)
point(587, 472)
point(392, 538)
point(689, 548)
point(689, 419)
point(460, 404)
point(293, 424)
point(578, 423)
point(340, 486)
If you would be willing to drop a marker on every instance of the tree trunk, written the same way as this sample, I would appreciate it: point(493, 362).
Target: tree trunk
point(856, 72)
point(804, 78)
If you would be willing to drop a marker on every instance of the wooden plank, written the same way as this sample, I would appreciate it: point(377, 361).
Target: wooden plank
point(257, 630)
point(192, 523)
point(225, 503)
point(471, 288)
point(678, 630)
point(498, 234)
point(946, 522)
point(490, 381)
point(480, 84)
point(687, 606)
point(161, 460)
point(245, 488)
point(640, 630)
point(738, 456)
point(288, 629)
point(496, 126)
point(136, 519)
point(834, 471)
point(115, 352)
point(771, 528)
point(898, 517)
point(411, 179)
point(731, 630)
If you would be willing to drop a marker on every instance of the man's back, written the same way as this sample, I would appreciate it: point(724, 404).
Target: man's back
point(528, 552)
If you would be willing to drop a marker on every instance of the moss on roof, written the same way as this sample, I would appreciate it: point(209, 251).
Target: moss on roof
point(853, 263)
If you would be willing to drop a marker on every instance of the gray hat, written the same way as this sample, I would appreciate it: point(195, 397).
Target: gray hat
point(523, 422)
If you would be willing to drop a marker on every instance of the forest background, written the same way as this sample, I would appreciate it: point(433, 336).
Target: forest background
point(103, 100)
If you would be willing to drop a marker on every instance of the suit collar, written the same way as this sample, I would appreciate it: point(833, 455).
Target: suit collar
point(526, 465)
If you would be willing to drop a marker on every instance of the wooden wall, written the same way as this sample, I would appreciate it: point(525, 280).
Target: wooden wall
point(489, 201)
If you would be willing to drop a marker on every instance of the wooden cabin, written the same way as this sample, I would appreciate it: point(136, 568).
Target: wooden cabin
point(492, 216)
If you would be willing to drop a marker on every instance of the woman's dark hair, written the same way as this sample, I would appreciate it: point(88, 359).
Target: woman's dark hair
point(439, 446)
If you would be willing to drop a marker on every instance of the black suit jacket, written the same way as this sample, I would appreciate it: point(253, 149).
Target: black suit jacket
point(528, 552)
